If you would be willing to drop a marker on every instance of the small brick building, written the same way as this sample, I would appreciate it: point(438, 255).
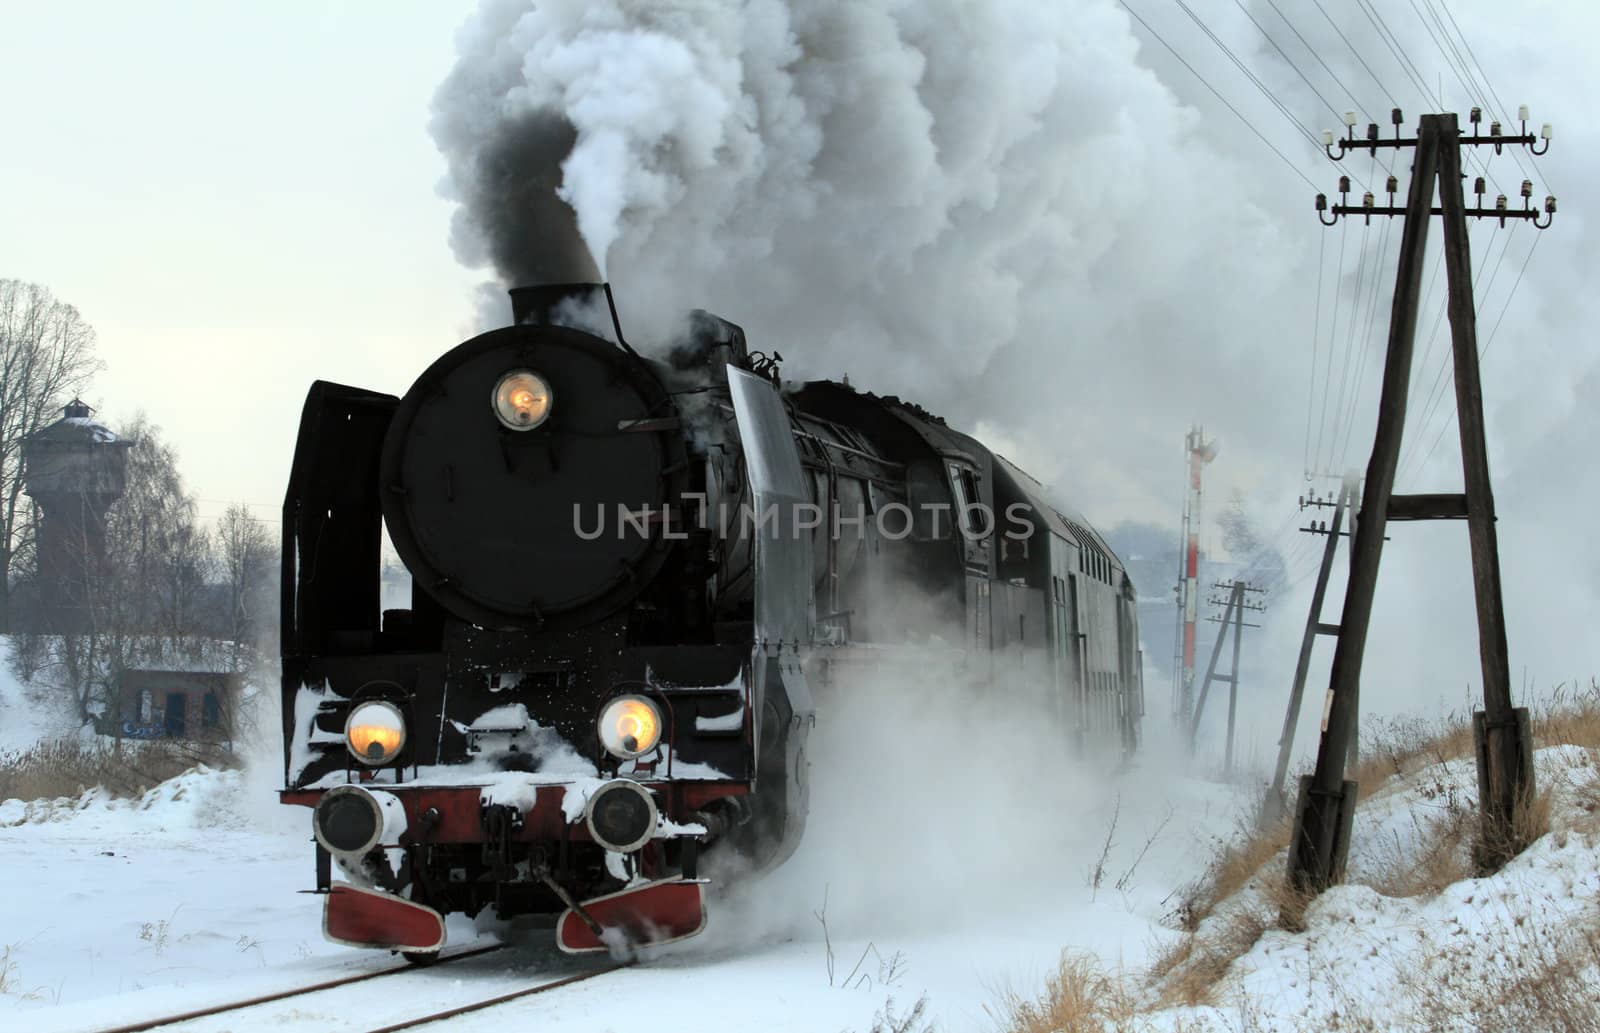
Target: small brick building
point(195, 705)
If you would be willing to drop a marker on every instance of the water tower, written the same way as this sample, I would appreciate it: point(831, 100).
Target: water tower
point(75, 469)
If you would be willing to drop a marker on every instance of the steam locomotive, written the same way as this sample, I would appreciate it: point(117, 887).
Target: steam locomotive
point(629, 575)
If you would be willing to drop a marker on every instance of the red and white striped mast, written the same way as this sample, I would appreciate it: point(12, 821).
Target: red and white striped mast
point(1200, 452)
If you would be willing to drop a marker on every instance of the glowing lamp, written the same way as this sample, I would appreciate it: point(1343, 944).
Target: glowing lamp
point(630, 726)
point(375, 732)
point(521, 399)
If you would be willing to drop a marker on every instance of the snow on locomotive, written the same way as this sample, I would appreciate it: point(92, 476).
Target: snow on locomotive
point(626, 576)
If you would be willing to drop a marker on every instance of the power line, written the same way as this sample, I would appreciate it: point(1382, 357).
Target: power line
point(1471, 94)
point(1265, 92)
point(1475, 95)
point(1386, 91)
point(1262, 29)
point(1322, 420)
point(1248, 124)
point(1414, 389)
point(1367, 337)
point(1316, 333)
point(1350, 341)
point(1436, 394)
point(1331, 74)
point(1504, 110)
point(1485, 349)
point(1393, 43)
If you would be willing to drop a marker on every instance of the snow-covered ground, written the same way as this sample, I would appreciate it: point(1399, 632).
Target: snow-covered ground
point(946, 867)
point(1463, 958)
point(125, 909)
point(29, 716)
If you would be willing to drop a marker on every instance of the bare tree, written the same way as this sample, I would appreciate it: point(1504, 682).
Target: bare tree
point(247, 560)
point(160, 557)
point(46, 357)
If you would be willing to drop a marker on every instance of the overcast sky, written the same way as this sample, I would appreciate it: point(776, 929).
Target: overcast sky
point(242, 198)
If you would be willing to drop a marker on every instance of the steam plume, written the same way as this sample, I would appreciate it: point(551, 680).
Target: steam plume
point(1028, 215)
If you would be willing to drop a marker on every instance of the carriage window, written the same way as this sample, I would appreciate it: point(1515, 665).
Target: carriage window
point(964, 492)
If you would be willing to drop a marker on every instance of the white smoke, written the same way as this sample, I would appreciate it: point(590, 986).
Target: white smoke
point(859, 184)
point(1032, 216)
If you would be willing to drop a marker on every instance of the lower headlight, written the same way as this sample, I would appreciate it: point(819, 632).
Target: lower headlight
point(630, 726)
point(621, 816)
point(348, 821)
point(375, 732)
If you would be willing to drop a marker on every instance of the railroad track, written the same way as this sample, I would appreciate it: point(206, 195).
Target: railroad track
point(322, 1004)
point(490, 1002)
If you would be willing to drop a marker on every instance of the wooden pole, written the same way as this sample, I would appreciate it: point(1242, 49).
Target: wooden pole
point(1315, 856)
point(1205, 686)
point(1236, 604)
point(1504, 776)
point(1272, 807)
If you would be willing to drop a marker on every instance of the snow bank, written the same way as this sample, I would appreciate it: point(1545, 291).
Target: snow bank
point(27, 716)
point(1432, 960)
point(201, 798)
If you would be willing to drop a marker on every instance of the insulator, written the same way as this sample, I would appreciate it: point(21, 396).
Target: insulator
point(1327, 138)
point(1366, 199)
point(1500, 203)
point(1522, 112)
point(1322, 202)
point(1494, 128)
point(1396, 117)
point(1372, 130)
point(1476, 116)
point(1344, 184)
point(1479, 186)
point(1393, 184)
point(1550, 205)
point(1527, 188)
point(1350, 118)
point(1544, 134)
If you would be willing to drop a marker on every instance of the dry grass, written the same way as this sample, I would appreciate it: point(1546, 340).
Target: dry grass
point(1236, 863)
point(68, 767)
point(1554, 991)
point(1079, 998)
point(1402, 747)
point(1558, 995)
point(1548, 983)
point(1570, 715)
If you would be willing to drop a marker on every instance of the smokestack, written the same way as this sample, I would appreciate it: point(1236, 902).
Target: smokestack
point(536, 303)
point(583, 306)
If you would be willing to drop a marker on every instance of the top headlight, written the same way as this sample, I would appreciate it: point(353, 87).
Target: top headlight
point(630, 726)
point(375, 732)
point(521, 399)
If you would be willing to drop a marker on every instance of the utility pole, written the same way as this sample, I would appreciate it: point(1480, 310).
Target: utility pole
point(1232, 614)
point(1272, 806)
point(1325, 809)
point(1199, 452)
